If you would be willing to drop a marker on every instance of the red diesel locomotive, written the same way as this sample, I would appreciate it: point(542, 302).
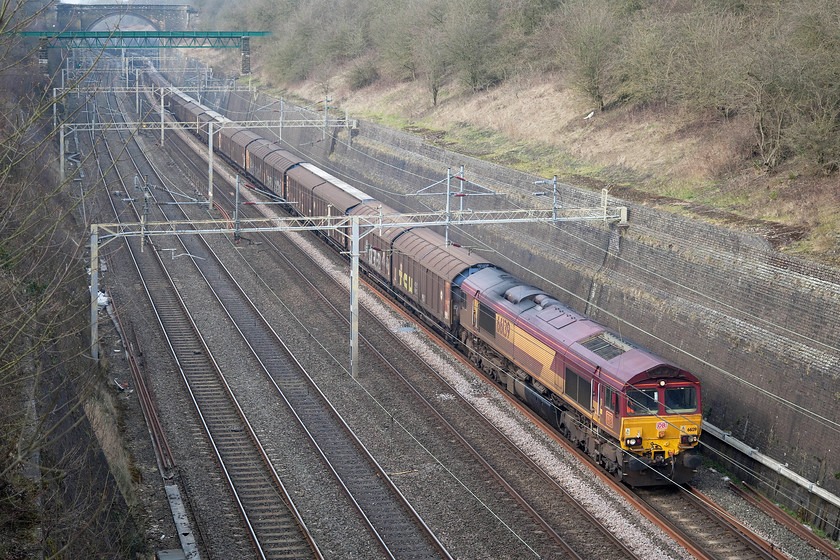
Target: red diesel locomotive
point(632, 411)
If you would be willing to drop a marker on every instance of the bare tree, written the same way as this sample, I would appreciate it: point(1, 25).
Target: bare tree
point(433, 64)
point(649, 59)
point(586, 35)
point(396, 30)
point(471, 35)
point(53, 502)
point(813, 47)
point(430, 51)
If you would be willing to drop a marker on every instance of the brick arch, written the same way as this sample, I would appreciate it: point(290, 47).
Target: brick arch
point(122, 14)
point(163, 17)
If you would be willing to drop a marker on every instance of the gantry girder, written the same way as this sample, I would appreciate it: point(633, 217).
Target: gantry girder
point(144, 39)
point(370, 223)
point(353, 227)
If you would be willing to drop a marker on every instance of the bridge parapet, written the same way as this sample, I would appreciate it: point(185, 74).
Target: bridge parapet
point(163, 17)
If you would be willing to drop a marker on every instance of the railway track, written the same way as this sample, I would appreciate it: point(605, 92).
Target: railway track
point(703, 530)
point(599, 540)
point(503, 463)
point(146, 397)
point(269, 515)
point(708, 533)
point(402, 532)
point(754, 497)
point(499, 479)
point(508, 463)
point(399, 530)
point(243, 313)
point(271, 519)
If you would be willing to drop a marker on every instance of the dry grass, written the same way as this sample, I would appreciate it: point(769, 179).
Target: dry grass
point(538, 125)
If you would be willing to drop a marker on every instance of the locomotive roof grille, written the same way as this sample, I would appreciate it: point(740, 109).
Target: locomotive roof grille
point(606, 345)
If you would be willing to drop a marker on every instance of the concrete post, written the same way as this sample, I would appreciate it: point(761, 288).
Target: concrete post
point(161, 116)
point(461, 190)
point(354, 299)
point(326, 116)
point(94, 292)
point(448, 194)
point(61, 152)
point(236, 212)
point(210, 165)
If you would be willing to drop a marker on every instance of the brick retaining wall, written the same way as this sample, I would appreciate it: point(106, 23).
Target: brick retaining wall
point(716, 301)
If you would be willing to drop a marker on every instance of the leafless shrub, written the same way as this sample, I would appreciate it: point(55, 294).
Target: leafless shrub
point(55, 496)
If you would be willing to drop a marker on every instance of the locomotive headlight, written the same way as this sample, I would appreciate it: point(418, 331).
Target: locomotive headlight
point(661, 434)
point(686, 439)
point(633, 442)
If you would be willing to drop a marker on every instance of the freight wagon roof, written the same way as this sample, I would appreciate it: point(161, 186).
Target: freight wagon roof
point(429, 248)
point(258, 147)
point(374, 208)
point(156, 76)
point(204, 108)
point(584, 341)
point(343, 185)
point(340, 200)
point(182, 96)
point(240, 136)
point(204, 115)
point(282, 160)
point(262, 148)
point(193, 107)
point(305, 177)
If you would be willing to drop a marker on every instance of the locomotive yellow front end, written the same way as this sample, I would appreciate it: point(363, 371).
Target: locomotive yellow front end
point(659, 430)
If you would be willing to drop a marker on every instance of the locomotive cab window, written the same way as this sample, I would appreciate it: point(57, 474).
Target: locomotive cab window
point(610, 399)
point(680, 400)
point(642, 402)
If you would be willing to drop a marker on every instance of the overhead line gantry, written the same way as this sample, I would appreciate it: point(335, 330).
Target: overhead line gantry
point(116, 39)
point(144, 39)
point(358, 226)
